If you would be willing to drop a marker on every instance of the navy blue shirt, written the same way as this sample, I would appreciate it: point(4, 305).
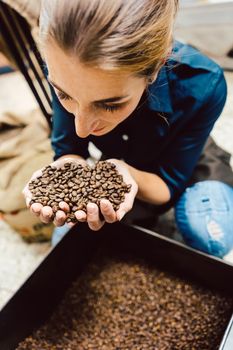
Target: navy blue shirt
point(166, 133)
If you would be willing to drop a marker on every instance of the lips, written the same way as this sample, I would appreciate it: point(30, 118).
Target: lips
point(98, 130)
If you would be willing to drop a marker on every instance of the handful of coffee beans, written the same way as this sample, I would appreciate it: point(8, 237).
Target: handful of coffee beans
point(78, 185)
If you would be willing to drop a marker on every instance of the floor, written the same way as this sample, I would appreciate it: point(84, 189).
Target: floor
point(19, 259)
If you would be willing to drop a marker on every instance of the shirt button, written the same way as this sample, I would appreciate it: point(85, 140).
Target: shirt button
point(125, 137)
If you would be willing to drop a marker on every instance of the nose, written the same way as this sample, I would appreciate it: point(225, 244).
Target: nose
point(84, 123)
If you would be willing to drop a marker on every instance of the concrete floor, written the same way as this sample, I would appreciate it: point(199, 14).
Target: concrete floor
point(19, 259)
point(223, 130)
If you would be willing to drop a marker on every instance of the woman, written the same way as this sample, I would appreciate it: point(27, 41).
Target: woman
point(147, 102)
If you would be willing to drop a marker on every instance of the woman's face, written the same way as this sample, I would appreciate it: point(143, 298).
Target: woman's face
point(98, 99)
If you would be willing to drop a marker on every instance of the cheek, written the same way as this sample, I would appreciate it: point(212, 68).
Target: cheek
point(132, 106)
point(68, 105)
point(129, 109)
point(116, 117)
point(121, 115)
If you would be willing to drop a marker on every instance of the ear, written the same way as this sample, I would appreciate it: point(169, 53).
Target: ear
point(152, 78)
point(154, 75)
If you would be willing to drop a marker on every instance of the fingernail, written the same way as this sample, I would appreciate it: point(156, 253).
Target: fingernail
point(91, 208)
point(104, 204)
point(79, 215)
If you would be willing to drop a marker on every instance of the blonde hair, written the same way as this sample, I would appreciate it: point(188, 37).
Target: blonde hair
point(130, 35)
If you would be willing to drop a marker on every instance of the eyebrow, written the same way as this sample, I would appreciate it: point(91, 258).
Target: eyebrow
point(57, 87)
point(106, 100)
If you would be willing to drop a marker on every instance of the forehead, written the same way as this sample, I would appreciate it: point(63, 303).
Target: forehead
point(77, 78)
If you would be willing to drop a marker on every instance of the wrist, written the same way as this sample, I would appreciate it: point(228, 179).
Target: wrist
point(74, 156)
point(134, 172)
point(151, 188)
point(136, 175)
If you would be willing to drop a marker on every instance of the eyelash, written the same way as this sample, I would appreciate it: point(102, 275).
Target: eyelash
point(63, 96)
point(111, 108)
point(108, 108)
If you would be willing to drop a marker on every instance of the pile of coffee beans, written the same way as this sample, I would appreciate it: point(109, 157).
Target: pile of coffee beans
point(77, 185)
point(125, 303)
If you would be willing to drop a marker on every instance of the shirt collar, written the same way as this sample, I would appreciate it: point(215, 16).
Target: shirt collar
point(159, 98)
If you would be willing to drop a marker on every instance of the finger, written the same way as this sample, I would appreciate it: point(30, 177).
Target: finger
point(36, 208)
point(26, 191)
point(124, 208)
point(107, 211)
point(64, 206)
point(120, 214)
point(93, 219)
point(127, 205)
point(28, 196)
point(47, 214)
point(28, 201)
point(42, 219)
point(60, 218)
point(80, 215)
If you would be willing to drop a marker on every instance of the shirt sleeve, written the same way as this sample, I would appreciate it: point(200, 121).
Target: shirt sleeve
point(63, 137)
point(180, 157)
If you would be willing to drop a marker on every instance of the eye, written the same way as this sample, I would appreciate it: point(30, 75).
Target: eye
point(111, 108)
point(62, 96)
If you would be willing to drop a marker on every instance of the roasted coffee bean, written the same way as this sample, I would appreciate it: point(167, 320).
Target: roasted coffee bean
point(121, 302)
point(72, 181)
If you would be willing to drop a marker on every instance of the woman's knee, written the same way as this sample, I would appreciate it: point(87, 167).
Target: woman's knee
point(204, 216)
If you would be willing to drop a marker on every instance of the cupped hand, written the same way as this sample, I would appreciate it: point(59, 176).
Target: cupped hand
point(45, 213)
point(97, 216)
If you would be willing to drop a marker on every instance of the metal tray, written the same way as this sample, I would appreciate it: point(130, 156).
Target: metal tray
point(41, 293)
